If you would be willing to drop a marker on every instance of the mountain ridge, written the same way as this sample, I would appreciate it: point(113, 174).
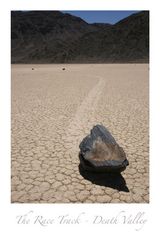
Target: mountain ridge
point(56, 37)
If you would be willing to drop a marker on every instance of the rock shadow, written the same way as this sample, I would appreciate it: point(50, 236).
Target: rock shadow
point(112, 180)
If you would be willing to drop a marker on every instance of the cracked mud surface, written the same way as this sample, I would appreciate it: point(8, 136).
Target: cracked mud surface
point(53, 110)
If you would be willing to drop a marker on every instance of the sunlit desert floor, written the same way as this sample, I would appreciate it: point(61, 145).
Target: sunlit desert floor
point(54, 109)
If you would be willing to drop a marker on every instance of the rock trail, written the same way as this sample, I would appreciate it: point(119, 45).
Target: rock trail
point(84, 119)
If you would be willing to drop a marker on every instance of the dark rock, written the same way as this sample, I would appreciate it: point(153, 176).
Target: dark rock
point(63, 69)
point(100, 152)
point(32, 68)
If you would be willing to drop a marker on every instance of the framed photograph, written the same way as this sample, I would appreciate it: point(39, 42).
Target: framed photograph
point(80, 150)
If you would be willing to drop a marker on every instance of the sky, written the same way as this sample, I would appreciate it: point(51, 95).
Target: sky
point(101, 16)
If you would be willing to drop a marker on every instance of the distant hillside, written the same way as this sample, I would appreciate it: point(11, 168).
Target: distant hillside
point(55, 37)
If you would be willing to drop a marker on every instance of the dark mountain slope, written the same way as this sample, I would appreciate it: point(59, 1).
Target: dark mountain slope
point(51, 36)
point(126, 41)
point(44, 36)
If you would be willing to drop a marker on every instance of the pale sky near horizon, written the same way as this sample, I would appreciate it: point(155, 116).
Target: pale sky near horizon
point(101, 16)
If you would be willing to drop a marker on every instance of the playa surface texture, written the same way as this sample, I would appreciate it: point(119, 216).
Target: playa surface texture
point(54, 109)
